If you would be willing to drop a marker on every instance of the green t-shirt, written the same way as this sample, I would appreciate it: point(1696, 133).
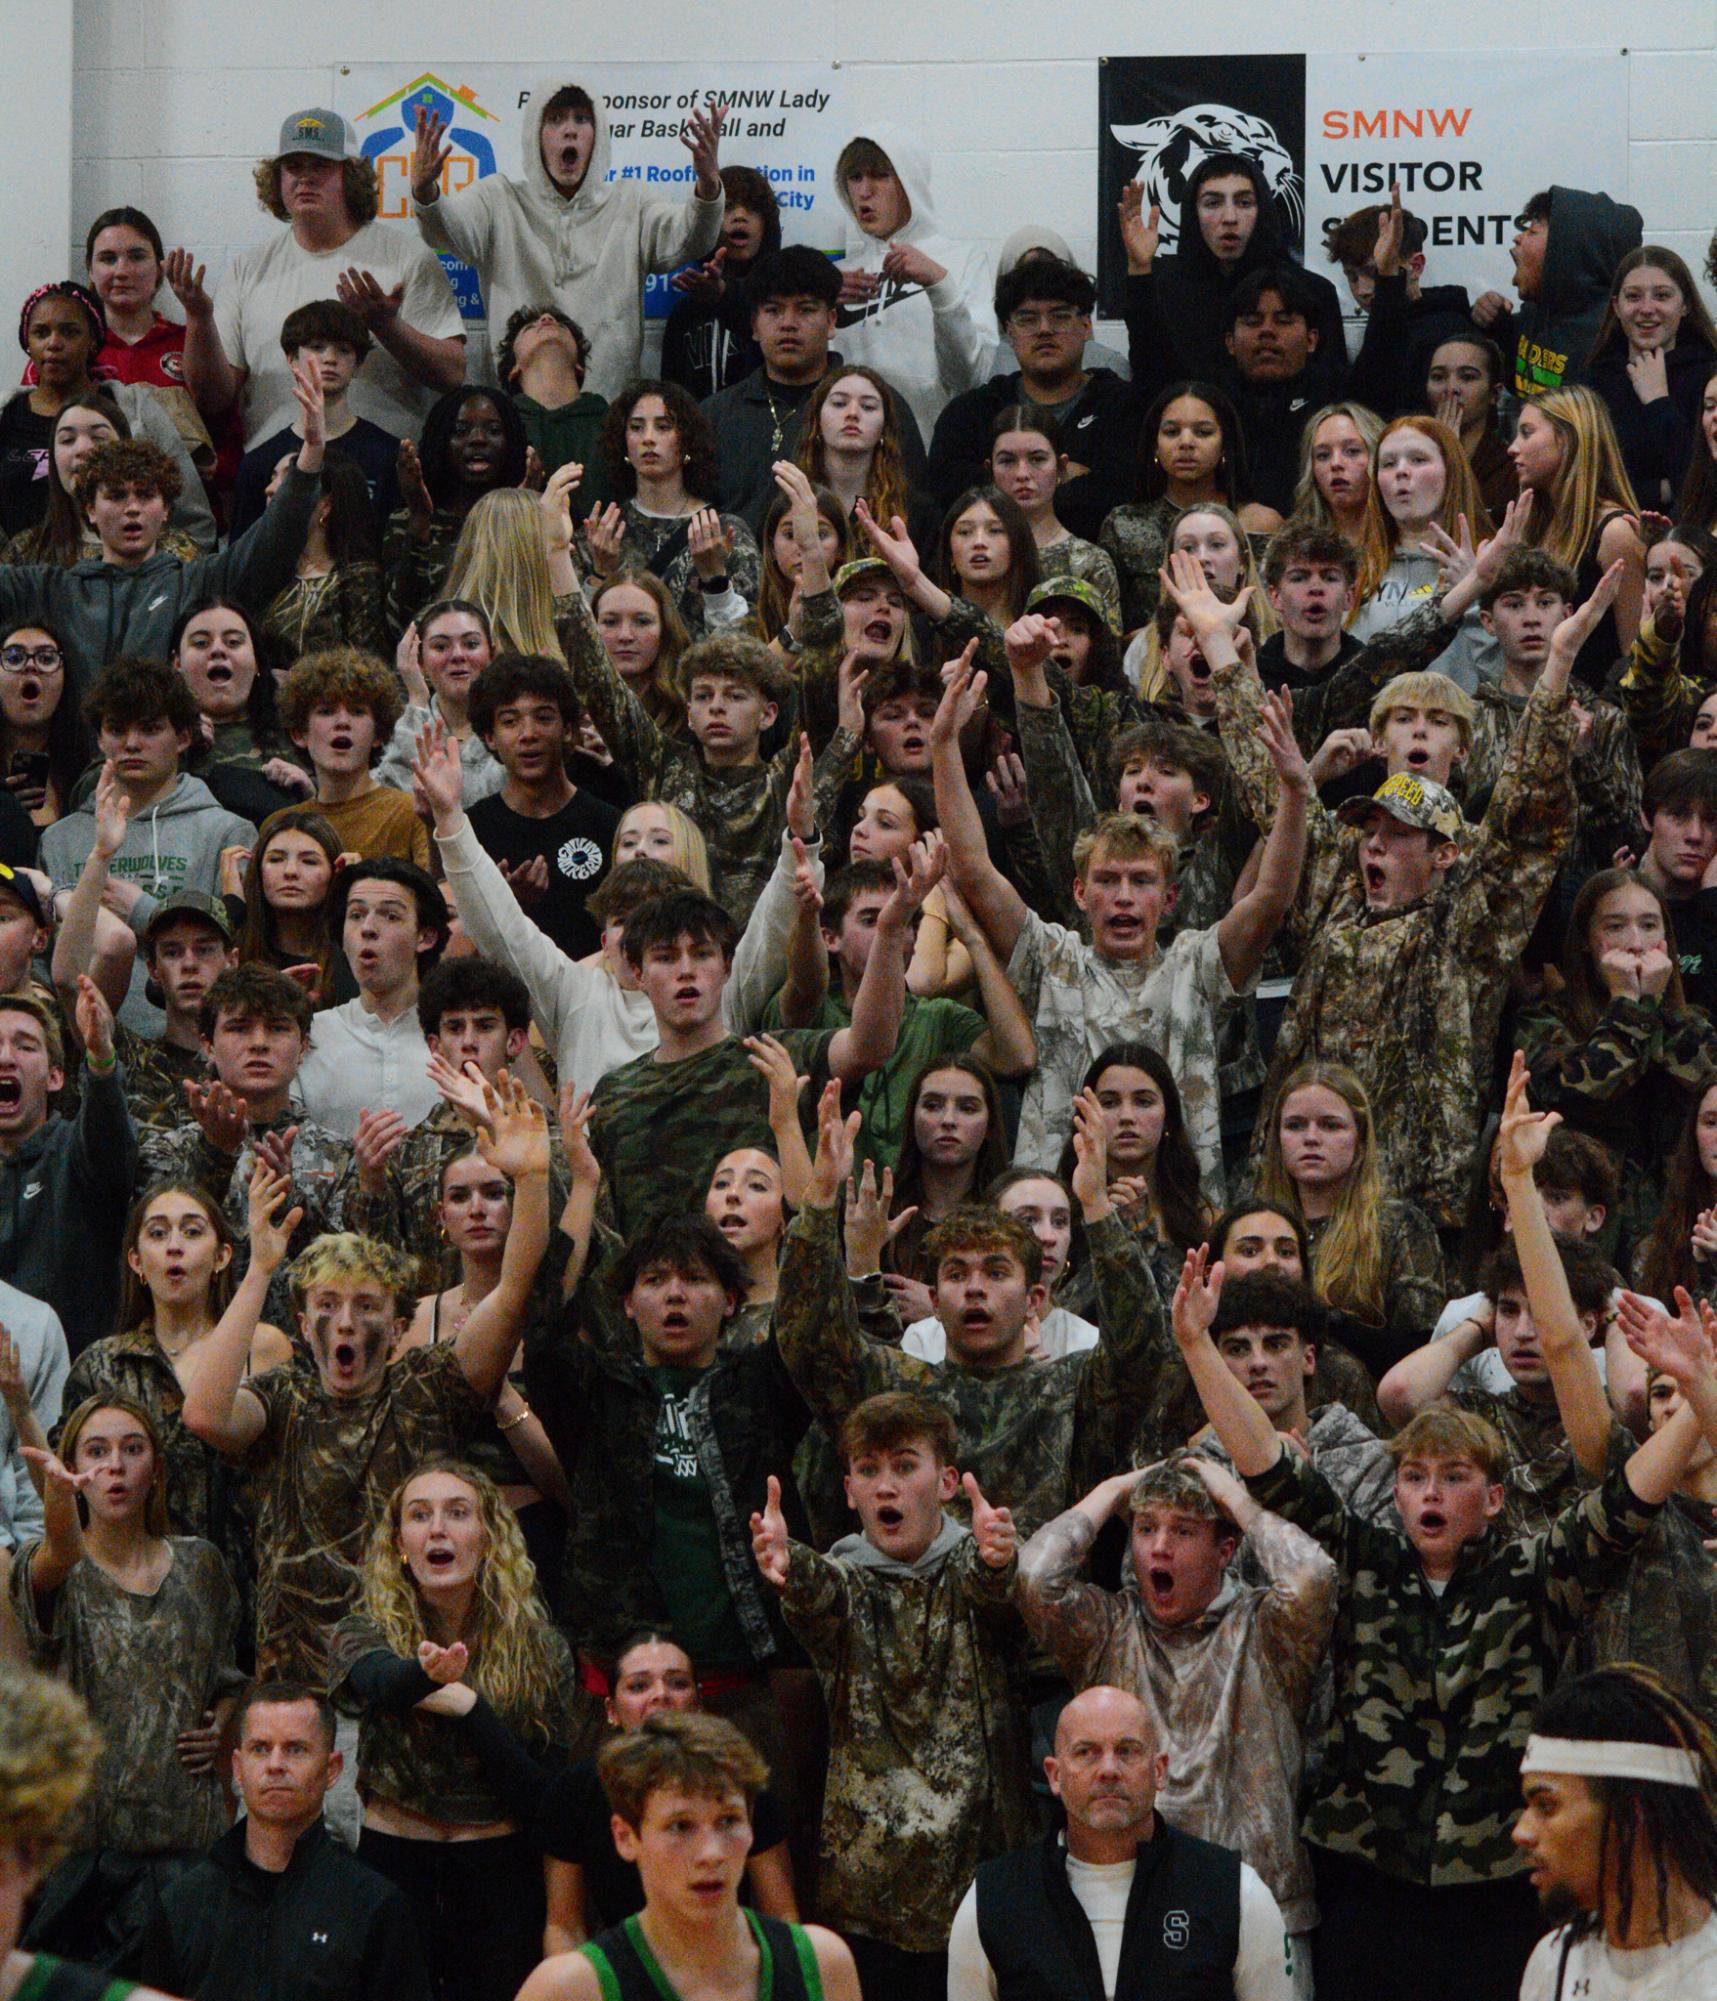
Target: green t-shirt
point(928, 1029)
point(568, 435)
point(685, 1546)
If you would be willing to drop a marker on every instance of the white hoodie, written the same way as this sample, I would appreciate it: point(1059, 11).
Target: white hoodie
point(586, 253)
point(933, 344)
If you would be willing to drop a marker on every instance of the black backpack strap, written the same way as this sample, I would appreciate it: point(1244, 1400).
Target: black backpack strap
point(672, 549)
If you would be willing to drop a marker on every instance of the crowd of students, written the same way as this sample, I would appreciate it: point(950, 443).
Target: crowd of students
point(924, 1134)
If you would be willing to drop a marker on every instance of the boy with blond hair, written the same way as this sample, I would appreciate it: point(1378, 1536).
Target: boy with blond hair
point(340, 706)
point(911, 1628)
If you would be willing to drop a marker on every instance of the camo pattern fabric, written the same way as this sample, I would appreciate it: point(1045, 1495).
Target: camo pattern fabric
point(929, 1772)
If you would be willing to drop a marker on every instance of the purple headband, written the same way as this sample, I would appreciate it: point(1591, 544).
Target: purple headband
point(63, 288)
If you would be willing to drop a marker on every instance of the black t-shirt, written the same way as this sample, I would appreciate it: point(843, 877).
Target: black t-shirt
point(578, 841)
point(25, 440)
point(374, 451)
point(574, 1825)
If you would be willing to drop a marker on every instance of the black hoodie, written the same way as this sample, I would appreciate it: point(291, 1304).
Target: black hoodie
point(706, 348)
point(1187, 293)
point(1549, 338)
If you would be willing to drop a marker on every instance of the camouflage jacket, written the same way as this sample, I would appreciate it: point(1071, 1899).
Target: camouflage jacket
point(1631, 1082)
point(1414, 1293)
point(741, 813)
point(648, 534)
point(1658, 700)
point(413, 571)
point(1411, 998)
point(1606, 770)
point(1543, 1475)
point(1228, 1691)
point(929, 1746)
point(1137, 539)
point(408, 1210)
point(599, 1407)
point(1663, 1614)
point(1037, 1434)
point(1073, 556)
point(1434, 1697)
point(321, 1165)
point(155, 1073)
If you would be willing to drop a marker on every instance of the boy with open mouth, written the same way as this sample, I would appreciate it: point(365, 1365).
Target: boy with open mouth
point(340, 707)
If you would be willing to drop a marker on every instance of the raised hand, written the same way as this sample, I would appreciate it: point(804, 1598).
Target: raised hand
point(379, 1136)
point(408, 665)
point(910, 264)
point(701, 138)
point(914, 879)
point(801, 798)
point(94, 1022)
point(219, 1111)
point(604, 531)
point(515, 1139)
point(185, 276)
point(1340, 752)
point(555, 505)
point(1008, 787)
point(48, 1466)
point(574, 1110)
point(1669, 614)
point(1391, 227)
point(710, 544)
point(443, 1665)
point(463, 1089)
point(894, 545)
point(773, 1062)
point(1140, 233)
point(1276, 734)
point(535, 475)
point(1680, 1348)
point(1579, 625)
point(527, 880)
point(703, 283)
point(112, 812)
point(869, 1228)
point(962, 697)
point(1030, 640)
point(1524, 1133)
point(836, 1134)
point(428, 154)
point(413, 488)
point(276, 1149)
point(312, 412)
point(14, 1391)
point(438, 770)
point(1196, 1297)
point(1192, 593)
point(992, 1528)
point(1090, 1155)
point(769, 1538)
point(362, 292)
point(270, 1231)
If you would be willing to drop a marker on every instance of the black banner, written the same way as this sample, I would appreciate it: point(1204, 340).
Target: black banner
point(1158, 117)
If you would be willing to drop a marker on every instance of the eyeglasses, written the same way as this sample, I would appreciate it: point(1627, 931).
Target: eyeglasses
point(17, 659)
point(1057, 318)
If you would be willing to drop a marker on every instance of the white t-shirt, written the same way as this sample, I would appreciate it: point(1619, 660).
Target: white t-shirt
point(1263, 1965)
point(1487, 1368)
point(263, 285)
point(1596, 1971)
point(1060, 1333)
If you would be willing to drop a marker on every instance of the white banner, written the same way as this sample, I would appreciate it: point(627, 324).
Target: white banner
point(788, 120)
point(1469, 138)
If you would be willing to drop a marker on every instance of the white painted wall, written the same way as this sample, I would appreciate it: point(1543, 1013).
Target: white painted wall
point(173, 99)
point(36, 145)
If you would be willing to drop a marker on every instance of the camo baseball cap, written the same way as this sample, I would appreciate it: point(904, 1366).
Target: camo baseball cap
point(323, 134)
point(857, 570)
point(1073, 590)
point(1415, 802)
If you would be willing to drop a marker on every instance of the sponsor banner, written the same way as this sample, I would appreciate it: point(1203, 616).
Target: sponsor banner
point(787, 120)
point(1468, 136)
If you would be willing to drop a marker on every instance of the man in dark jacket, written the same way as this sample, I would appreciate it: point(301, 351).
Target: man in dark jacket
point(278, 1910)
point(707, 344)
point(65, 1184)
point(1381, 250)
point(1278, 372)
point(1567, 245)
point(792, 296)
point(1119, 1902)
point(1043, 307)
point(1228, 229)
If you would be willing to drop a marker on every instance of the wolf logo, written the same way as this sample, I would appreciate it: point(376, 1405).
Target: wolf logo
point(1171, 150)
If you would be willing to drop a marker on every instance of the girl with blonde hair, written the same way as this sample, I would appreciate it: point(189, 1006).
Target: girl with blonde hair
point(461, 1683)
point(1334, 487)
point(653, 830)
point(500, 564)
point(1216, 535)
point(1580, 507)
point(1376, 1261)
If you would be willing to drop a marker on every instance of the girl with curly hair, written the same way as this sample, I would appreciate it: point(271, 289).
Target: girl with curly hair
point(462, 1684)
point(658, 450)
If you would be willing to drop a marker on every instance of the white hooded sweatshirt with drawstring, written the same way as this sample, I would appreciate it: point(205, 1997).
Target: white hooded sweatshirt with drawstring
point(587, 253)
point(929, 344)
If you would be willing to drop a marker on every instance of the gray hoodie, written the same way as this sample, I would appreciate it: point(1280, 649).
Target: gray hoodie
point(587, 253)
point(101, 611)
point(174, 844)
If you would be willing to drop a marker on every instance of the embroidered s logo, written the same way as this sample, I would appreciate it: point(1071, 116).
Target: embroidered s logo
point(1177, 1930)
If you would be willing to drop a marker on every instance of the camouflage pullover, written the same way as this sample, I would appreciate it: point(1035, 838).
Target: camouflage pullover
point(1434, 1696)
point(1411, 998)
point(1038, 1434)
point(929, 1744)
point(1658, 700)
point(1606, 769)
point(1227, 1691)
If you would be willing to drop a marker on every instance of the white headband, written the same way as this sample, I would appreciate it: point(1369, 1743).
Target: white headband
point(1596, 1758)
